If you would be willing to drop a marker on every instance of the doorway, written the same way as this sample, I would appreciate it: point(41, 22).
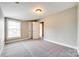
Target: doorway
point(41, 30)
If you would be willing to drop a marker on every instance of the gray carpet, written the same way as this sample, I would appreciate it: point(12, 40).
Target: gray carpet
point(37, 48)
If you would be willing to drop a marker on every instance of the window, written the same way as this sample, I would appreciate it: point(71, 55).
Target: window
point(13, 28)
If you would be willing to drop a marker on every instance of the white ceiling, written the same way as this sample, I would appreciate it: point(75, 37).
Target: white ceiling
point(24, 10)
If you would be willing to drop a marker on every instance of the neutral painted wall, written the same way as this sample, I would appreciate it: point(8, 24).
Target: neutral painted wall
point(1, 31)
point(30, 28)
point(25, 29)
point(36, 30)
point(61, 27)
point(78, 28)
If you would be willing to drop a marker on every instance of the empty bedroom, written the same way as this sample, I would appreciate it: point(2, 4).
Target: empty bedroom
point(39, 29)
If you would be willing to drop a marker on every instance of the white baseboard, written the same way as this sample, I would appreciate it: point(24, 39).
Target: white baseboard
point(62, 44)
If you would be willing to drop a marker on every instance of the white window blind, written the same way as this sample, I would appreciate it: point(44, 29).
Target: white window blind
point(14, 28)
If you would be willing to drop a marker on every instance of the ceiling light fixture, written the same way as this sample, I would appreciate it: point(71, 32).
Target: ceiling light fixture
point(17, 2)
point(38, 11)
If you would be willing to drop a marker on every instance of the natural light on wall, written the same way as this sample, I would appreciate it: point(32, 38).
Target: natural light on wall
point(13, 28)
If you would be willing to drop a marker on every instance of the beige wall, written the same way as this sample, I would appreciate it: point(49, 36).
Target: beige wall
point(36, 30)
point(29, 29)
point(78, 28)
point(26, 29)
point(62, 27)
point(1, 31)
